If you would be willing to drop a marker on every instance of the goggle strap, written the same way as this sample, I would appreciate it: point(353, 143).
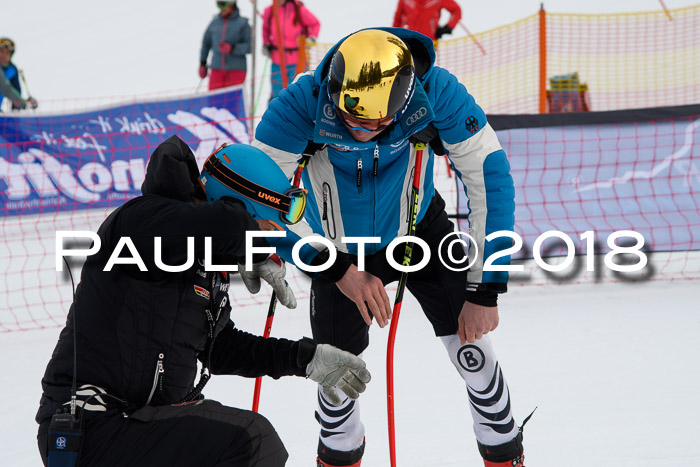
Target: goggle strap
point(246, 187)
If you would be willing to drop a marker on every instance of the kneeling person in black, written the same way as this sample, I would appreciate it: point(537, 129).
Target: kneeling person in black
point(140, 332)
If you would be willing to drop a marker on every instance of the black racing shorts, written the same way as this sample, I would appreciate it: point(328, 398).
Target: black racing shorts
point(204, 433)
point(336, 320)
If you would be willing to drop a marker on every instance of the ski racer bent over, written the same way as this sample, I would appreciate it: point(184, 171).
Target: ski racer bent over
point(374, 93)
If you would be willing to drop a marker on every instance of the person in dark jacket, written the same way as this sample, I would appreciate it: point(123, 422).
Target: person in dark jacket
point(9, 78)
point(228, 38)
point(141, 330)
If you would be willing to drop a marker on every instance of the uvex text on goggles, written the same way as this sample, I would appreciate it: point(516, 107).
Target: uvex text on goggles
point(291, 204)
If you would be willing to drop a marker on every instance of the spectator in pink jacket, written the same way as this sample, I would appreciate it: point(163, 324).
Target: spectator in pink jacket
point(295, 21)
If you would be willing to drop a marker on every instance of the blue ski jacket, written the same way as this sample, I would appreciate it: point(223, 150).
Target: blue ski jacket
point(236, 31)
point(364, 189)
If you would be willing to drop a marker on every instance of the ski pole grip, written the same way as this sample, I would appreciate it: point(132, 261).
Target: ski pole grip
point(428, 135)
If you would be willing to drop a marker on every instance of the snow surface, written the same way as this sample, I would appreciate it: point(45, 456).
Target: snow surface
point(613, 368)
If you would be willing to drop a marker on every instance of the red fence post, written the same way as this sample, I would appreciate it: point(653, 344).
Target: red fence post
point(280, 44)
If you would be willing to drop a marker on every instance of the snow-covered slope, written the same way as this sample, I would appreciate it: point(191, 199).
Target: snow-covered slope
point(613, 370)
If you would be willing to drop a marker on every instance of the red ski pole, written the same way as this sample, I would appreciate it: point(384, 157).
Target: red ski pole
point(273, 298)
point(397, 304)
point(280, 44)
point(266, 334)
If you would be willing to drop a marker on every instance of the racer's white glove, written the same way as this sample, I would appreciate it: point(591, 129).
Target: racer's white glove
point(272, 271)
point(333, 369)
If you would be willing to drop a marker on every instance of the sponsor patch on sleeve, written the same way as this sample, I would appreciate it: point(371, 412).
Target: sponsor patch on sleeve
point(201, 291)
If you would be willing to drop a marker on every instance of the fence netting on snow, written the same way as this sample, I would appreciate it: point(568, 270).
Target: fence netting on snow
point(69, 171)
point(604, 173)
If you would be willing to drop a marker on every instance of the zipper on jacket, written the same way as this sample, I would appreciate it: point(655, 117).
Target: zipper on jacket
point(375, 172)
point(325, 204)
point(359, 175)
point(328, 216)
point(223, 37)
point(157, 377)
point(375, 165)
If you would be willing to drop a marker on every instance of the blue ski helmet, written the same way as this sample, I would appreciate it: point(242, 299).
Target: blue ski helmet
point(248, 174)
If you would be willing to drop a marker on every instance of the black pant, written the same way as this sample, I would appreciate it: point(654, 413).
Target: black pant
point(199, 434)
point(336, 320)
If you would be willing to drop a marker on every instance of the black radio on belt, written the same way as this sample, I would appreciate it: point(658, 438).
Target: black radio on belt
point(65, 437)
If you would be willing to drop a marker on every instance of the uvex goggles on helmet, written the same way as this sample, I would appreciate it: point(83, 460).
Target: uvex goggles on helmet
point(291, 204)
point(372, 76)
point(224, 4)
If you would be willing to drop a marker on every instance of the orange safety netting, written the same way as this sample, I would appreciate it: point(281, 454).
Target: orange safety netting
point(621, 61)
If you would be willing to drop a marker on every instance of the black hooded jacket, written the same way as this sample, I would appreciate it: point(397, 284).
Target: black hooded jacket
point(140, 333)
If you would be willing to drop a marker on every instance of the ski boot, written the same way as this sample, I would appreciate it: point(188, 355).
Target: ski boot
point(328, 457)
point(508, 454)
point(320, 463)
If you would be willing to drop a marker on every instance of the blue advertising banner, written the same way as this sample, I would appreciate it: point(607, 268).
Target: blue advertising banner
point(98, 159)
point(605, 172)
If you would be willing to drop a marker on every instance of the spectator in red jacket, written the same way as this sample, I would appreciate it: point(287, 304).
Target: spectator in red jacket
point(423, 16)
point(295, 21)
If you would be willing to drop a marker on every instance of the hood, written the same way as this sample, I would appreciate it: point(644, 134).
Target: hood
point(421, 48)
point(172, 171)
